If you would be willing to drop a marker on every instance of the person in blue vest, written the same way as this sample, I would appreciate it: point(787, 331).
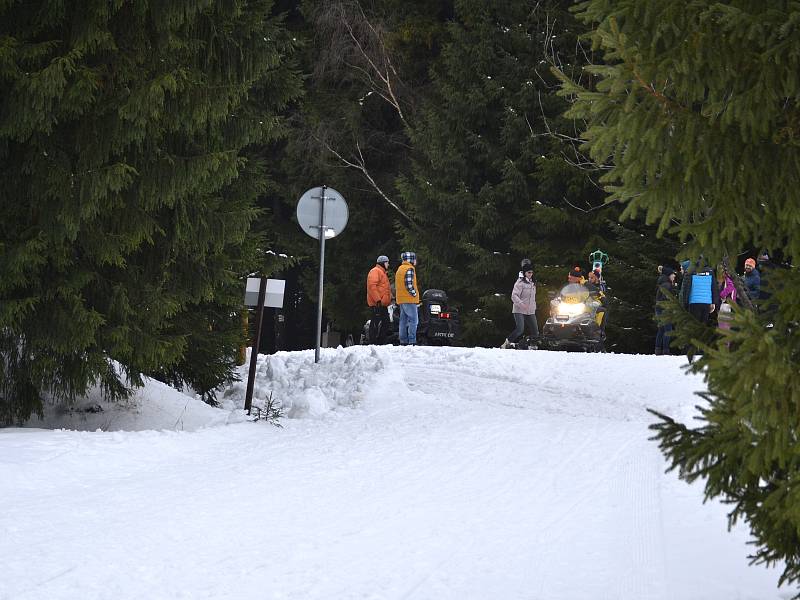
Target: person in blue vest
point(699, 292)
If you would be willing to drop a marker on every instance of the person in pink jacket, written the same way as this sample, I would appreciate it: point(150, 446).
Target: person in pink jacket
point(727, 296)
point(523, 298)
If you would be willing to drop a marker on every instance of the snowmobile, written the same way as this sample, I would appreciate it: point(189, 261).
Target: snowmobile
point(439, 323)
point(576, 321)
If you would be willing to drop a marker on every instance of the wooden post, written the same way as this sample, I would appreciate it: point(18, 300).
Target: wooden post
point(251, 375)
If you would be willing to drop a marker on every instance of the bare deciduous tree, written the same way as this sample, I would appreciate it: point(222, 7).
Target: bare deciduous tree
point(353, 49)
point(356, 44)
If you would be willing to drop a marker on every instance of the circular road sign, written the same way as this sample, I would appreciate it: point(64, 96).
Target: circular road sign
point(336, 213)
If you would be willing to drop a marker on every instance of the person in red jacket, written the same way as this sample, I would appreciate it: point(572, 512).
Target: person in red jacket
point(379, 297)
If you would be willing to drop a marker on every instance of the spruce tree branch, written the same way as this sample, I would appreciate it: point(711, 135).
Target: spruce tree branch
point(650, 89)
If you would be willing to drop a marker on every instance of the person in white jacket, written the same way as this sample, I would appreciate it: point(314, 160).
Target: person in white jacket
point(523, 297)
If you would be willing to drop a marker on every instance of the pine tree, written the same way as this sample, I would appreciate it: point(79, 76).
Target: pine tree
point(349, 134)
point(128, 188)
point(696, 112)
point(491, 184)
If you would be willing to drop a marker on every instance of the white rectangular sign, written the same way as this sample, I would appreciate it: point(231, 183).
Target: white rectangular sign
point(273, 297)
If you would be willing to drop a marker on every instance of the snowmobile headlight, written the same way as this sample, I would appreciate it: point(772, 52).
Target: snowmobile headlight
point(570, 309)
point(435, 309)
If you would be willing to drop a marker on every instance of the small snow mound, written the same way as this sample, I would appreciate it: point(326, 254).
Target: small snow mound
point(304, 389)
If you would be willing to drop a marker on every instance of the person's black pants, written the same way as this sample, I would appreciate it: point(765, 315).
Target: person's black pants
point(379, 325)
point(700, 312)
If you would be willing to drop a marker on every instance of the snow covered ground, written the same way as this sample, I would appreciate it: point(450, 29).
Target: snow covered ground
point(422, 473)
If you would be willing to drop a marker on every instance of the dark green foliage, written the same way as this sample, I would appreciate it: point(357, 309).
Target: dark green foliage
point(697, 112)
point(495, 177)
point(271, 412)
point(348, 137)
point(472, 186)
point(138, 138)
point(471, 172)
point(128, 191)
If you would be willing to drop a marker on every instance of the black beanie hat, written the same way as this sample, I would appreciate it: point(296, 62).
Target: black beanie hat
point(576, 272)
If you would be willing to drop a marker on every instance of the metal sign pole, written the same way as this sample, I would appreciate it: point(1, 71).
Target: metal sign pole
point(251, 375)
point(321, 221)
point(321, 269)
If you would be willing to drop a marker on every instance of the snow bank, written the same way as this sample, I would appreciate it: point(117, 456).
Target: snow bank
point(447, 473)
point(619, 386)
point(342, 378)
point(154, 406)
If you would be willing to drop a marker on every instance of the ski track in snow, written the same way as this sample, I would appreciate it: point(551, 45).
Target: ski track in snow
point(404, 473)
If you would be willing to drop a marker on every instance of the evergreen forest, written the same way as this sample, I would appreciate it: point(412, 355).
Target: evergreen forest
point(152, 154)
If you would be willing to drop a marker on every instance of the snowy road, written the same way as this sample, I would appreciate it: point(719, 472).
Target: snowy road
point(406, 473)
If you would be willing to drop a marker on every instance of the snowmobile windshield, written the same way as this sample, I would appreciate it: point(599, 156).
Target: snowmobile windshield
point(574, 292)
point(572, 302)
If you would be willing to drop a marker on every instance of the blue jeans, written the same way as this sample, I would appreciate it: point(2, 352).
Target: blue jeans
point(409, 318)
point(662, 338)
point(520, 321)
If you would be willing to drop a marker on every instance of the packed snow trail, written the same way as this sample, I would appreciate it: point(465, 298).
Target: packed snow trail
point(404, 473)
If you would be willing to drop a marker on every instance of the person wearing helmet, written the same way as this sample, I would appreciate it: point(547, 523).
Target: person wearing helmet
point(379, 297)
point(596, 285)
point(407, 291)
point(575, 275)
point(523, 299)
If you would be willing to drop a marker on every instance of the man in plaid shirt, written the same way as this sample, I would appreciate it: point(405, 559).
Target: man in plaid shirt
point(407, 292)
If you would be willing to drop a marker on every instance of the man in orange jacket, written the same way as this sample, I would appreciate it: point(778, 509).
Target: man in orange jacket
point(379, 297)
